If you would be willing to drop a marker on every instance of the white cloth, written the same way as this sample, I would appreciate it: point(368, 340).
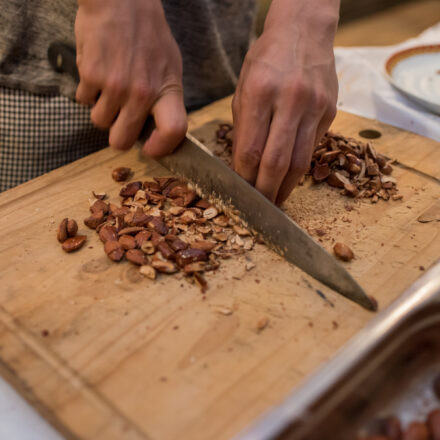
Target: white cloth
point(364, 90)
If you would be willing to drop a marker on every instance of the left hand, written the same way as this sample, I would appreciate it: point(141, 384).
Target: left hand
point(284, 103)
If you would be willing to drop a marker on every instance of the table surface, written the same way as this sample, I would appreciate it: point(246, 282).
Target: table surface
point(17, 419)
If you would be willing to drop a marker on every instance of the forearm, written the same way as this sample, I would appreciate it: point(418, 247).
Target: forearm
point(317, 18)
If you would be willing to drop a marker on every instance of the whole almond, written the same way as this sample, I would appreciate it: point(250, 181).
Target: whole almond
point(74, 243)
point(121, 174)
point(72, 227)
point(114, 250)
point(108, 233)
point(343, 252)
point(62, 235)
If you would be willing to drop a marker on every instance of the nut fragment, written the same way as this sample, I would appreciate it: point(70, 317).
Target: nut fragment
point(190, 255)
point(343, 252)
point(148, 247)
point(210, 212)
point(130, 189)
point(204, 245)
point(121, 174)
point(166, 251)
point(167, 267)
point(198, 266)
point(241, 231)
point(148, 271)
point(74, 243)
point(141, 237)
point(262, 323)
point(127, 242)
point(95, 220)
point(136, 256)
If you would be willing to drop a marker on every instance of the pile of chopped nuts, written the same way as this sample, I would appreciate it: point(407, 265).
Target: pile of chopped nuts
point(342, 162)
point(355, 167)
point(163, 226)
point(224, 136)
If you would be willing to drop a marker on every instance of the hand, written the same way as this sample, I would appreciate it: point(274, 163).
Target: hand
point(286, 98)
point(130, 66)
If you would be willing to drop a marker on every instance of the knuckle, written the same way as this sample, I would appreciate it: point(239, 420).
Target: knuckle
point(98, 120)
point(142, 91)
point(115, 86)
point(298, 88)
point(320, 100)
point(119, 142)
point(260, 86)
point(298, 168)
point(275, 162)
point(89, 74)
point(176, 128)
point(331, 112)
point(249, 157)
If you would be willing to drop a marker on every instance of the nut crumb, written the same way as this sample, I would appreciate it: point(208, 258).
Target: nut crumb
point(262, 323)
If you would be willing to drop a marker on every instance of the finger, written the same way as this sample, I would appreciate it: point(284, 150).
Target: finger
point(171, 125)
point(106, 108)
point(249, 138)
point(325, 123)
point(301, 156)
point(129, 123)
point(87, 92)
point(277, 154)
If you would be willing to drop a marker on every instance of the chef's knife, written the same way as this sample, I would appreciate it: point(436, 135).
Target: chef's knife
point(216, 181)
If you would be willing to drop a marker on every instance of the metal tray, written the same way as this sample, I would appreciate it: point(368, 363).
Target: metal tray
point(387, 369)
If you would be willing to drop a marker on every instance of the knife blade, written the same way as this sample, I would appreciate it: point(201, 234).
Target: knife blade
point(216, 181)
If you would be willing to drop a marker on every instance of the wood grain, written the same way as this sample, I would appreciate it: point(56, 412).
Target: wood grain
point(128, 358)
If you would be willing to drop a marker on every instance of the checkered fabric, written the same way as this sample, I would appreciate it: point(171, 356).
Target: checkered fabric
point(39, 133)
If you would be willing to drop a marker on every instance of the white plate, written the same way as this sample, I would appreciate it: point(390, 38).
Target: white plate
point(416, 73)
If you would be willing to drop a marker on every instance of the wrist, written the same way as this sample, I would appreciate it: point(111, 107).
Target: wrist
point(317, 18)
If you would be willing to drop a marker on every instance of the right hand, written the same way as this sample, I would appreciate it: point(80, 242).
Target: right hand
point(130, 67)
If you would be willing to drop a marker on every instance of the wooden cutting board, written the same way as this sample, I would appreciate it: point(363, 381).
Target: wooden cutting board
point(105, 354)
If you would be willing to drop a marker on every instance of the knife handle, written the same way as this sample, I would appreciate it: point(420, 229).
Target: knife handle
point(62, 58)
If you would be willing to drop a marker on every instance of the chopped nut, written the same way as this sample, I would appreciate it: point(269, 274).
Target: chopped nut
point(204, 245)
point(158, 225)
point(221, 220)
point(241, 231)
point(121, 174)
point(200, 281)
point(167, 267)
point(176, 210)
point(220, 236)
point(178, 245)
point(148, 248)
point(198, 266)
point(249, 266)
point(141, 237)
point(130, 189)
point(95, 220)
point(190, 255)
point(343, 252)
point(210, 213)
point(100, 196)
point(127, 242)
point(99, 206)
point(203, 204)
point(148, 271)
point(131, 230)
point(74, 243)
point(262, 323)
point(321, 172)
point(166, 251)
